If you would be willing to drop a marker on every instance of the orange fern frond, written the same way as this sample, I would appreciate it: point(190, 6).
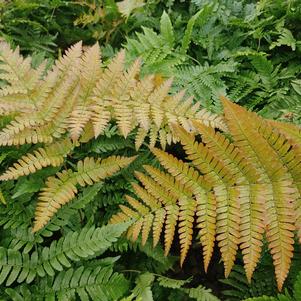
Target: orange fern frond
point(236, 188)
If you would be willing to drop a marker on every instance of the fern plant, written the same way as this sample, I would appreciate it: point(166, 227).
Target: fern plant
point(236, 190)
point(52, 273)
point(244, 49)
point(161, 52)
point(75, 102)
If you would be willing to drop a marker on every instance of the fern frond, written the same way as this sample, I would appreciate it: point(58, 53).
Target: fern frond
point(16, 266)
point(278, 181)
point(201, 293)
point(297, 288)
point(20, 266)
point(79, 91)
point(172, 283)
point(237, 189)
point(52, 155)
point(219, 176)
point(99, 283)
point(61, 189)
point(296, 296)
point(239, 288)
point(290, 131)
point(123, 111)
point(155, 50)
point(285, 38)
point(83, 283)
point(204, 82)
point(67, 212)
point(19, 95)
point(104, 87)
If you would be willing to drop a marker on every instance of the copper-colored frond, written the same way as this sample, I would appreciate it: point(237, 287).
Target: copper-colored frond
point(236, 188)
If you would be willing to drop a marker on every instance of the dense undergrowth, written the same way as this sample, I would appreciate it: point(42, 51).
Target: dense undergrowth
point(248, 51)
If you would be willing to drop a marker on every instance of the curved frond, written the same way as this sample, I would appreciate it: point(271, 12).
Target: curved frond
point(236, 188)
point(79, 90)
point(20, 266)
point(89, 283)
point(62, 188)
point(52, 155)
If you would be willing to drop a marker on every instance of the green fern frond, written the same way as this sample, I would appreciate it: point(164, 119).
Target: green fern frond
point(285, 38)
point(201, 293)
point(172, 283)
point(89, 284)
point(20, 267)
point(155, 50)
point(238, 287)
point(146, 280)
point(297, 288)
point(296, 296)
point(264, 67)
point(84, 283)
point(205, 82)
point(15, 215)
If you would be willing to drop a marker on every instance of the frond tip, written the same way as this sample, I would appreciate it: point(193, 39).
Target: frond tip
point(235, 191)
point(62, 188)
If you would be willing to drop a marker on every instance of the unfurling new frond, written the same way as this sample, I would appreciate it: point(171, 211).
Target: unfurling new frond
point(235, 190)
point(61, 188)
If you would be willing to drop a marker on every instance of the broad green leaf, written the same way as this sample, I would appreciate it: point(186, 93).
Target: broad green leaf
point(188, 32)
point(296, 84)
point(167, 29)
point(2, 198)
point(143, 287)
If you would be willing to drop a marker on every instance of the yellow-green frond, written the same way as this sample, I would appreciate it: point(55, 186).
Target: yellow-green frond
point(61, 188)
point(52, 155)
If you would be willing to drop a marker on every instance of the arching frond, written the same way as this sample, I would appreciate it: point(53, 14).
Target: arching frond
point(236, 190)
point(94, 283)
point(79, 90)
point(89, 241)
point(52, 155)
point(62, 188)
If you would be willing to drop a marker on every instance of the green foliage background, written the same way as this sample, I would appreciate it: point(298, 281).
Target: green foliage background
point(247, 50)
